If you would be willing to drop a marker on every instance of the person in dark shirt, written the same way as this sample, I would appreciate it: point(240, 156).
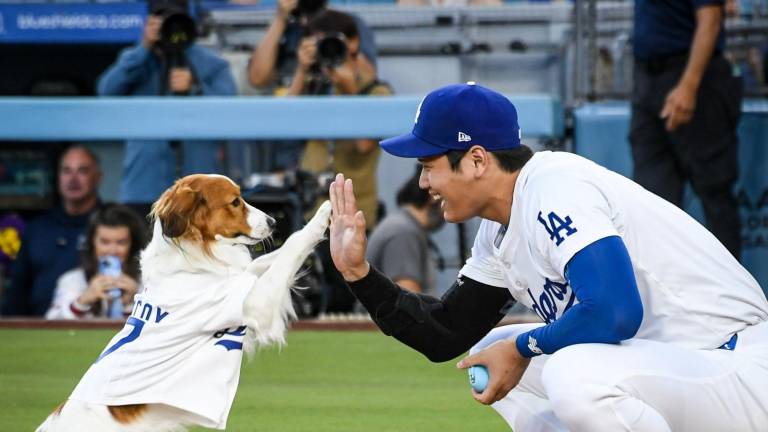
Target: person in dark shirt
point(686, 105)
point(400, 246)
point(50, 244)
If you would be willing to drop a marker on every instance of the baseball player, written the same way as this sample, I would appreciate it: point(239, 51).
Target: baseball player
point(649, 323)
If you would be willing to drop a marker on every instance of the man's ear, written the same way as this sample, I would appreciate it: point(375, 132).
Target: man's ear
point(480, 159)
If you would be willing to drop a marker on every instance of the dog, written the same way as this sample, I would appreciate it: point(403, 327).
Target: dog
point(176, 362)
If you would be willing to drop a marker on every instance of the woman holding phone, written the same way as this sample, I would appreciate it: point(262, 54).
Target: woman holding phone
point(109, 262)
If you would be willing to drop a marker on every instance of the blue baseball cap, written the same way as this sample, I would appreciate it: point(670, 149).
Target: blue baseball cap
point(456, 117)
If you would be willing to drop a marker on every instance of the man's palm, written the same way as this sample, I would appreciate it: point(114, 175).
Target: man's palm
point(347, 237)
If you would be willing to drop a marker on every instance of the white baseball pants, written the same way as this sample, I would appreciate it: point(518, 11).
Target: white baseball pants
point(640, 385)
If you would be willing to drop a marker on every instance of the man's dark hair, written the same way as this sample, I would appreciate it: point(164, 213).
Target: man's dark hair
point(411, 193)
point(509, 160)
point(114, 215)
point(333, 21)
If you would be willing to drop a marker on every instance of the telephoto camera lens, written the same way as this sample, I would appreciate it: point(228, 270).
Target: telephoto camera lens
point(331, 50)
point(177, 32)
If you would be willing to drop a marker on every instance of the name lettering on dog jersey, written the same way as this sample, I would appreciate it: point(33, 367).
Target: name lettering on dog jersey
point(136, 322)
point(546, 306)
point(146, 311)
point(555, 225)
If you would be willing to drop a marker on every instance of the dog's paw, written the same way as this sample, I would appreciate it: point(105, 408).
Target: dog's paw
point(321, 219)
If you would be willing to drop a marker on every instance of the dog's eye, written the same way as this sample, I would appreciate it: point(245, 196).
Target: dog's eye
point(235, 202)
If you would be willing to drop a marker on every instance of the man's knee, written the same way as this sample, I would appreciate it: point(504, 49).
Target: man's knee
point(575, 387)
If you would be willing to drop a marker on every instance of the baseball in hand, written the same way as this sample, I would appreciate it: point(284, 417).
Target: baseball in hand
point(478, 377)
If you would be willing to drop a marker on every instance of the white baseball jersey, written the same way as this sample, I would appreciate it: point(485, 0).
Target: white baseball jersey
point(181, 346)
point(694, 293)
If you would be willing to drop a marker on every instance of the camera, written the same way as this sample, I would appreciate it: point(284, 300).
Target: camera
point(331, 50)
point(178, 30)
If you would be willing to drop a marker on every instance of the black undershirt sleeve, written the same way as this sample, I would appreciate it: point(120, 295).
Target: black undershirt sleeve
point(441, 329)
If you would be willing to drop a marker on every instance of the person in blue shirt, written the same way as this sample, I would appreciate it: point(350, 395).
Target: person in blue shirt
point(150, 167)
point(51, 243)
point(686, 105)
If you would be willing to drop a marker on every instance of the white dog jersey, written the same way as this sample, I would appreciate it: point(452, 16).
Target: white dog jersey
point(563, 202)
point(181, 346)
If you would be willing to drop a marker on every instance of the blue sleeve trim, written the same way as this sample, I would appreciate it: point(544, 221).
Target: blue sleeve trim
point(609, 310)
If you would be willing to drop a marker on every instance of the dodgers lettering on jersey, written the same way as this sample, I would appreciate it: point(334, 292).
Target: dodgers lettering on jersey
point(553, 301)
point(563, 203)
point(555, 225)
point(234, 341)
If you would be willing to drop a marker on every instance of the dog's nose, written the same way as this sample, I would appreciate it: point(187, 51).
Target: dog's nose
point(271, 222)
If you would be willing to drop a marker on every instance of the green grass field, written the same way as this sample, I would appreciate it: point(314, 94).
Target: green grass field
point(321, 381)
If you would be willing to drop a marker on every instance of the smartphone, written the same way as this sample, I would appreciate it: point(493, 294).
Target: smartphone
point(110, 266)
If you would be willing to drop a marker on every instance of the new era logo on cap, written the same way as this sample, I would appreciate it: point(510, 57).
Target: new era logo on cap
point(456, 117)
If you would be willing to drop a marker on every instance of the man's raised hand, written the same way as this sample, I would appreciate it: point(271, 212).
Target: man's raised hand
point(348, 241)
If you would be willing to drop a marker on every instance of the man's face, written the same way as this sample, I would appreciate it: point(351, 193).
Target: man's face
point(79, 176)
point(454, 189)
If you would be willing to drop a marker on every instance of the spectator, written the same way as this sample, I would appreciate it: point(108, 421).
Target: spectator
point(275, 57)
point(274, 61)
point(151, 69)
point(84, 292)
point(400, 246)
point(50, 243)
point(356, 158)
point(686, 105)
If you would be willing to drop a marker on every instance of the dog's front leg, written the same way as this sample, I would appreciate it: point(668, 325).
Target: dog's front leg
point(262, 263)
point(268, 304)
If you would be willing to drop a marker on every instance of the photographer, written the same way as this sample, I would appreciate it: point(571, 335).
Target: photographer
point(166, 62)
point(275, 57)
point(84, 292)
point(328, 58)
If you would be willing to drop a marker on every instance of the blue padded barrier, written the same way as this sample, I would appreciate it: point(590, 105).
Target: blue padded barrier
point(601, 132)
point(62, 119)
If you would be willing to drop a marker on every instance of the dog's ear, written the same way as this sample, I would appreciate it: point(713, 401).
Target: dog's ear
point(175, 209)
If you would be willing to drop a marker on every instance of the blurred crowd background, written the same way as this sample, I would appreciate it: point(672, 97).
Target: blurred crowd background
point(67, 206)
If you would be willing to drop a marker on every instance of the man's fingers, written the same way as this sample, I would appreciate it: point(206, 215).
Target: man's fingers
point(673, 121)
point(665, 111)
point(360, 222)
point(338, 189)
point(470, 361)
point(350, 206)
point(486, 397)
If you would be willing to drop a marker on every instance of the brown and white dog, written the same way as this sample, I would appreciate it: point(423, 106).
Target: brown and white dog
point(177, 360)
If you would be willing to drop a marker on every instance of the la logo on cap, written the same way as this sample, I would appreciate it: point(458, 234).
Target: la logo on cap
point(464, 137)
